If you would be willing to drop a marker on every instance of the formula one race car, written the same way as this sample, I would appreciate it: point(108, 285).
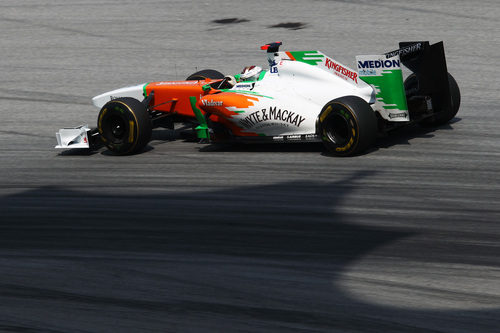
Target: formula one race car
point(303, 96)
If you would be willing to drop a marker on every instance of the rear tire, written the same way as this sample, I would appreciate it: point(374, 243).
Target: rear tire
point(347, 126)
point(411, 85)
point(205, 74)
point(124, 126)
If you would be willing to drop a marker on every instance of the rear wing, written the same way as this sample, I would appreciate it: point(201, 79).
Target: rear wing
point(428, 63)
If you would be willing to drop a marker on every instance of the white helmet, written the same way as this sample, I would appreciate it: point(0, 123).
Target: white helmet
point(250, 73)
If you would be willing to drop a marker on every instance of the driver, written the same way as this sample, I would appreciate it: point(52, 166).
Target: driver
point(250, 73)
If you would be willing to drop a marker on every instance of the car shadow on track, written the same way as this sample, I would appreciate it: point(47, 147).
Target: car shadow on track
point(403, 135)
point(217, 260)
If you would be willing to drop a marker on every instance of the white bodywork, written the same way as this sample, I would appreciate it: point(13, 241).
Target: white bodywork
point(288, 99)
point(321, 83)
point(132, 91)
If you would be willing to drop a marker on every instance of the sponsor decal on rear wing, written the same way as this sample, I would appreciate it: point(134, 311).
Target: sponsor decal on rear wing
point(408, 50)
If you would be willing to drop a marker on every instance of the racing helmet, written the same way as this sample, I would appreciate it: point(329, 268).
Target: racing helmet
point(250, 73)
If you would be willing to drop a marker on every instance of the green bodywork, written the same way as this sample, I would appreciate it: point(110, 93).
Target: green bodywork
point(202, 129)
point(389, 89)
point(308, 57)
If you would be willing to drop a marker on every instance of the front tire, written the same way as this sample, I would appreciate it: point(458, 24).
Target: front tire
point(124, 125)
point(347, 126)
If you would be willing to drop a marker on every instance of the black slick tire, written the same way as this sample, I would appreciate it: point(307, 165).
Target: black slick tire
point(124, 126)
point(205, 74)
point(411, 85)
point(347, 126)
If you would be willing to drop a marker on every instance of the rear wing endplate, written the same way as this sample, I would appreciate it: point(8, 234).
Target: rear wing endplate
point(428, 63)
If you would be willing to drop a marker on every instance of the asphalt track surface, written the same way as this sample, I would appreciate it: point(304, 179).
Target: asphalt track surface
point(190, 238)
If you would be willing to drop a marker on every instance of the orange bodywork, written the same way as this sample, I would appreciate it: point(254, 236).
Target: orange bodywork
point(225, 105)
point(173, 97)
